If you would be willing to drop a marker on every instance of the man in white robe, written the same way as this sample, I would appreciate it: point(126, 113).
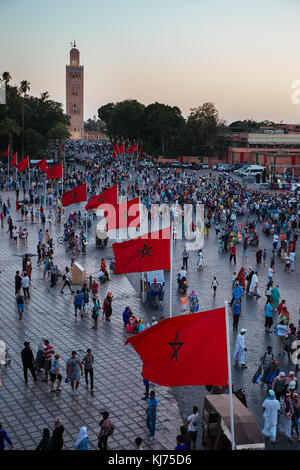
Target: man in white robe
point(254, 284)
point(239, 352)
point(271, 407)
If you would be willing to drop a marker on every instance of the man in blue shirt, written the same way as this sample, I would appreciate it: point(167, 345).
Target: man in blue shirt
point(236, 313)
point(268, 316)
point(151, 414)
point(237, 293)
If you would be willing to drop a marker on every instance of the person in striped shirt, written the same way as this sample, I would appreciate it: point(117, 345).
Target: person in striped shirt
point(48, 353)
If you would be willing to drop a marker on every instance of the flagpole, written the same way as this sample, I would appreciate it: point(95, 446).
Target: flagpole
point(8, 163)
point(45, 174)
point(229, 377)
point(28, 177)
point(171, 267)
point(62, 179)
point(86, 225)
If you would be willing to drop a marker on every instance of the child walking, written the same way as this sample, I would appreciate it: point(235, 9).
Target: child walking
point(214, 285)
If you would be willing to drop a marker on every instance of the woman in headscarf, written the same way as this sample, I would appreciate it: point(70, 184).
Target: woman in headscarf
point(249, 278)
point(193, 302)
point(28, 268)
point(241, 277)
point(296, 415)
point(44, 443)
point(107, 308)
point(24, 262)
point(83, 440)
point(291, 383)
point(275, 296)
point(258, 255)
point(278, 385)
point(285, 416)
point(57, 441)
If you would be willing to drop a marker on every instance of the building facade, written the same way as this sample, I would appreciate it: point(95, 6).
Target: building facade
point(75, 94)
point(276, 151)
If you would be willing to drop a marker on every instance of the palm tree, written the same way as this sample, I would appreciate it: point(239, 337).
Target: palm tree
point(9, 127)
point(45, 96)
point(24, 87)
point(6, 77)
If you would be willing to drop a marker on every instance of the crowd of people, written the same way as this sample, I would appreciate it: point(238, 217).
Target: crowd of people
point(241, 217)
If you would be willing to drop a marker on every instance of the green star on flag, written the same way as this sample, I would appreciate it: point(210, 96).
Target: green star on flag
point(145, 251)
point(176, 346)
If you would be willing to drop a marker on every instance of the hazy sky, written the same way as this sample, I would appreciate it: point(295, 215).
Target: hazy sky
point(242, 55)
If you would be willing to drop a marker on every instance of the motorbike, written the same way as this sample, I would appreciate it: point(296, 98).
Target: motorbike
point(182, 285)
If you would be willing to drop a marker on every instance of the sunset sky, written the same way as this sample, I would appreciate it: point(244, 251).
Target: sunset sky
point(241, 55)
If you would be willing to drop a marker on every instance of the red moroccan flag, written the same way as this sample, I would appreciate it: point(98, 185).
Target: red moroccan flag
point(14, 159)
point(6, 152)
point(121, 148)
point(23, 164)
point(124, 215)
point(55, 172)
point(109, 196)
point(132, 148)
point(179, 351)
point(241, 157)
point(42, 165)
point(140, 152)
point(148, 252)
point(116, 149)
point(75, 195)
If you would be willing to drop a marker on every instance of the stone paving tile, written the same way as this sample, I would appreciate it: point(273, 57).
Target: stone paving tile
point(25, 410)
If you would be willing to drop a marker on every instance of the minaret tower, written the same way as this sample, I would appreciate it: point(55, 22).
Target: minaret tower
point(74, 94)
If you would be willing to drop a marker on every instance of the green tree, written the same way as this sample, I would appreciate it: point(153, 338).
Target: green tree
point(202, 129)
point(105, 114)
point(10, 128)
point(42, 114)
point(161, 127)
point(6, 77)
point(93, 124)
point(24, 87)
point(123, 118)
point(33, 142)
point(59, 132)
